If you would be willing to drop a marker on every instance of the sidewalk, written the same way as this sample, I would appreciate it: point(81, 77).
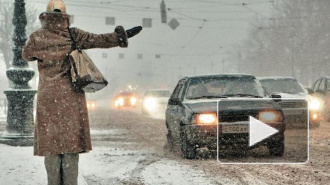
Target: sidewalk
point(3, 120)
point(18, 166)
point(102, 166)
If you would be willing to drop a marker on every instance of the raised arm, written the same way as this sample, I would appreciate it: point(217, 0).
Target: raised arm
point(86, 40)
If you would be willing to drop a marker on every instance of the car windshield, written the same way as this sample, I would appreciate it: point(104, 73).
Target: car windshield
point(218, 87)
point(282, 86)
point(125, 94)
point(158, 93)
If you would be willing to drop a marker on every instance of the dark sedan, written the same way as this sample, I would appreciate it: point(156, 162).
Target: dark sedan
point(192, 114)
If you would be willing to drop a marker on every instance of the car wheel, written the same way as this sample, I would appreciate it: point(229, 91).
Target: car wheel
point(169, 137)
point(276, 148)
point(314, 124)
point(327, 116)
point(169, 141)
point(188, 150)
point(325, 112)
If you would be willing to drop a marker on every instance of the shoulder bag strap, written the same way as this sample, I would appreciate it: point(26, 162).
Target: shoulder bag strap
point(73, 47)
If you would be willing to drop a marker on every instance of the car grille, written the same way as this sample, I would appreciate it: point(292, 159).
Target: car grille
point(293, 104)
point(235, 117)
point(234, 139)
point(127, 101)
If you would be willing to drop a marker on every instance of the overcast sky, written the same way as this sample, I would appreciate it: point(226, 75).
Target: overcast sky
point(208, 29)
point(205, 25)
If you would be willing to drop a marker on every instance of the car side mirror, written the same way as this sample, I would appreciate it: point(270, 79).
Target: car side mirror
point(276, 97)
point(309, 90)
point(174, 101)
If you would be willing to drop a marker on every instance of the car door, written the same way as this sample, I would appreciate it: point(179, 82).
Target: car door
point(326, 93)
point(316, 92)
point(174, 110)
point(316, 85)
point(321, 92)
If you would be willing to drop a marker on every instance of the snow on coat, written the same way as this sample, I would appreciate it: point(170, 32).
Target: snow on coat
point(62, 124)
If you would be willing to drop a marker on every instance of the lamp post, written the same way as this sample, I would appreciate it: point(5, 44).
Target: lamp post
point(292, 57)
point(19, 128)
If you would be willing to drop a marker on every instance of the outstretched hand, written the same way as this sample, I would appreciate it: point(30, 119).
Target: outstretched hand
point(133, 31)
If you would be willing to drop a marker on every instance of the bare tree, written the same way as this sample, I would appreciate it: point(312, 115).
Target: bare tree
point(293, 42)
point(7, 28)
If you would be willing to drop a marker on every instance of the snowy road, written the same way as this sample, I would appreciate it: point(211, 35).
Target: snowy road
point(132, 152)
point(129, 148)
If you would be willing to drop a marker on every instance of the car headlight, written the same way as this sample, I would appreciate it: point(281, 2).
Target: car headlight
point(314, 104)
point(205, 118)
point(150, 103)
point(133, 101)
point(315, 116)
point(270, 116)
point(91, 105)
point(121, 101)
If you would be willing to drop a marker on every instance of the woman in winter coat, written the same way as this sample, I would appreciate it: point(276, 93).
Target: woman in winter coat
point(62, 128)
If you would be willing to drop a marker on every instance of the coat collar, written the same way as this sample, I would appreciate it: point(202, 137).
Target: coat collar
point(54, 20)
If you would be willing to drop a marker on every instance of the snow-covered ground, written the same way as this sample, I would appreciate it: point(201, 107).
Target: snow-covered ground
point(18, 166)
point(103, 165)
point(130, 149)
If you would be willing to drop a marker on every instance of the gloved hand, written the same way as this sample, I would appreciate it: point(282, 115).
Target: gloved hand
point(133, 31)
point(122, 36)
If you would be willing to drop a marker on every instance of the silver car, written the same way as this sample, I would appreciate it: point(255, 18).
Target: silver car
point(294, 100)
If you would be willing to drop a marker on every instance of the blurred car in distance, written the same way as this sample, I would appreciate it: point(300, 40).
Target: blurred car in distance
point(126, 99)
point(292, 104)
point(191, 115)
point(155, 101)
point(91, 104)
point(321, 91)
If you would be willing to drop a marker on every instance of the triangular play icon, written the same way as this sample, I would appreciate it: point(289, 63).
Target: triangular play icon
point(259, 131)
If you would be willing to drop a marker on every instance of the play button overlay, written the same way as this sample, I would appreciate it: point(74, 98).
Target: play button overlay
point(259, 131)
point(262, 131)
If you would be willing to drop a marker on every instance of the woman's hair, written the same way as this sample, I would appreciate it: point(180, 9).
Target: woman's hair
point(56, 6)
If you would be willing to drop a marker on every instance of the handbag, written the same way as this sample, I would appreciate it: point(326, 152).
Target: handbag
point(84, 75)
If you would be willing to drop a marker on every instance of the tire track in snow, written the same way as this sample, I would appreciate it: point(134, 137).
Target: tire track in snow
point(135, 174)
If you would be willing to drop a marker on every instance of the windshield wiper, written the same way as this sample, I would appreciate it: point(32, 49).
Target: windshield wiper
point(208, 97)
point(242, 95)
point(291, 92)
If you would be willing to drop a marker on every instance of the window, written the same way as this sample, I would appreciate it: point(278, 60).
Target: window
point(215, 87)
point(316, 85)
point(282, 85)
point(177, 91)
point(328, 84)
point(322, 85)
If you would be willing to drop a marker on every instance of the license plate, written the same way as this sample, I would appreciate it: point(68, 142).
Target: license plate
point(235, 128)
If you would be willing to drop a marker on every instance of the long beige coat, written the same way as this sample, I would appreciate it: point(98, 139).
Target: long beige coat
point(62, 124)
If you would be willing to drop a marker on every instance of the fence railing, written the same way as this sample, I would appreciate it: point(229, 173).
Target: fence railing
point(3, 106)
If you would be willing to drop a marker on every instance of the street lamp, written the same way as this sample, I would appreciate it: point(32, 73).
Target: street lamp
point(292, 56)
point(19, 128)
